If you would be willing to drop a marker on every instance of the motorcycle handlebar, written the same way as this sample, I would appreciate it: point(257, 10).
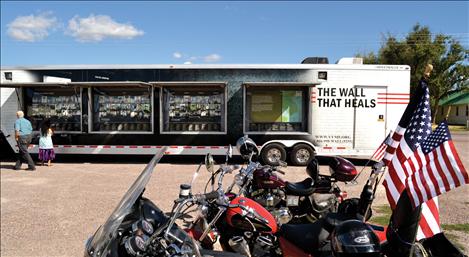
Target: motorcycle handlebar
point(211, 196)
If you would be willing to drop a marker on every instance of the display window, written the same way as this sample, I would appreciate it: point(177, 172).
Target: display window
point(60, 106)
point(121, 109)
point(276, 109)
point(200, 109)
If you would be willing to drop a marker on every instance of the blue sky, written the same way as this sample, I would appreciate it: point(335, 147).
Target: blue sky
point(34, 32)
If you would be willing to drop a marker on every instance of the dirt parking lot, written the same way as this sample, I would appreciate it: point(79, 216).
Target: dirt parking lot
point(52, 211)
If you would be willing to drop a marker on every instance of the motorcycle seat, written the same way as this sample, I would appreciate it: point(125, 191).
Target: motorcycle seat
point(332, 219)
point(303, 188)
point(308, 237)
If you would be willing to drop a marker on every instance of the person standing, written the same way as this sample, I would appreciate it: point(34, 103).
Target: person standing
point(46, 147)
point(23, 136)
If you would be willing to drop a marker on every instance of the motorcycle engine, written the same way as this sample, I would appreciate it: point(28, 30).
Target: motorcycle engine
point(282, 215)
point(268, 198)
point(253, 245)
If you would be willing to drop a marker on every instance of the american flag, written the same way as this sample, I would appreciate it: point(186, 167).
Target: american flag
point(441, 169)
point(379, 153)
point(413, 128)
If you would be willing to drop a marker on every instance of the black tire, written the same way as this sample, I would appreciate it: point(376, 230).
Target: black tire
point(301, 154)
point(271, 152)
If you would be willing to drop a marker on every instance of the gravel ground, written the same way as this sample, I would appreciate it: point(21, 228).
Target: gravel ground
point(51, 212)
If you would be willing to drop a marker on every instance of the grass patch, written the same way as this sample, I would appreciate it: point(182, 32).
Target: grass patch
point(381, 215)
point(457, 227)
point(453, 127)
point(455, 240)
point(458, 128)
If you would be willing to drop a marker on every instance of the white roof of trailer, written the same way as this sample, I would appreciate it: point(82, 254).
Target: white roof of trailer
point(209, 66)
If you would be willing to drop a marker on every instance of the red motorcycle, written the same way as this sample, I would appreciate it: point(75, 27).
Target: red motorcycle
point(243, 226)
point(307, 200)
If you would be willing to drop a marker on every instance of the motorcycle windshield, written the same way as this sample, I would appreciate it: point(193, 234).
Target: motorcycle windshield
point(107, 232)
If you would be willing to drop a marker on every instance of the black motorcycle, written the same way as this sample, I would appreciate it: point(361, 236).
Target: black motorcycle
point(137, 227)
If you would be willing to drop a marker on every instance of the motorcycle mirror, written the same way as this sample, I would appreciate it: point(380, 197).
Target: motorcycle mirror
point(209, 162)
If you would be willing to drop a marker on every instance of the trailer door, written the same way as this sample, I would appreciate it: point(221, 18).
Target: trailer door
point(369, 118)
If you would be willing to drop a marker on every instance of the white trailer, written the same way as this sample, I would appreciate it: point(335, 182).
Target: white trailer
point(292, 111)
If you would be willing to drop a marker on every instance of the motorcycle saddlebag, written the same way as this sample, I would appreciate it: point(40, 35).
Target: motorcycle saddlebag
point(440, 246)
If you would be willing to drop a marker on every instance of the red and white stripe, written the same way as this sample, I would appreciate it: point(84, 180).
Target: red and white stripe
point(381, 150)
point(441, 171)
point(393, 144)
point(393, 98)
point(313, 97)
point(136, 149)
point(402, 163)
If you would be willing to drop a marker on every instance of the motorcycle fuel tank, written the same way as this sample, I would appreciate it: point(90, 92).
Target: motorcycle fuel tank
point(342, 169)
point(250, 216)
point(267, 180)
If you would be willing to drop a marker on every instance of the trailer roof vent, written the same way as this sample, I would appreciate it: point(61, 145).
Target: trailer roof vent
point(315, 60)
point(350, 60)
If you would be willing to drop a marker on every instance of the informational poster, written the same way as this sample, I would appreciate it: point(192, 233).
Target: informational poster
point(277, 106)
point(292, 106)
point(266, 107)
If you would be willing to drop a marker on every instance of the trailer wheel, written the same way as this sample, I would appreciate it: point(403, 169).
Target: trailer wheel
point(272, 153)
point(301, 154)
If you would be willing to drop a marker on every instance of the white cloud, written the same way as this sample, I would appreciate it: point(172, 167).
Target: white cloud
point(188, 62)
point(177, 55)
point(98, 27)
point(212, 58)
point(32, 28)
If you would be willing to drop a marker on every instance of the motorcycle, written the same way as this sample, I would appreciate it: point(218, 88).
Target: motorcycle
point(242, 225)
point(138, 228)
point(307, 200)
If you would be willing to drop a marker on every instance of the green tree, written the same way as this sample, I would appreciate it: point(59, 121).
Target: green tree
point(449, 59)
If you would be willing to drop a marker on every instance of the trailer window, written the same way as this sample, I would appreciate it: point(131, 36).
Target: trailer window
point(61, 106)
point(121, 109)
point(274, 109)
point(194, 109)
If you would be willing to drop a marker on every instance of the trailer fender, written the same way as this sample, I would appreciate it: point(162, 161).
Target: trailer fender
point(287, 143)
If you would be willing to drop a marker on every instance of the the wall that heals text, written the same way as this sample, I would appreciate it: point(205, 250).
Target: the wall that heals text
point(344, 97)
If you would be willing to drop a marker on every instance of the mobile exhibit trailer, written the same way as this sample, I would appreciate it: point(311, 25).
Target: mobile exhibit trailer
point(292, 111)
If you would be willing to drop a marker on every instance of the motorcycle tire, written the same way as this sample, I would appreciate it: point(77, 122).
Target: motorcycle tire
point(301, 154)
point(271, 149)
